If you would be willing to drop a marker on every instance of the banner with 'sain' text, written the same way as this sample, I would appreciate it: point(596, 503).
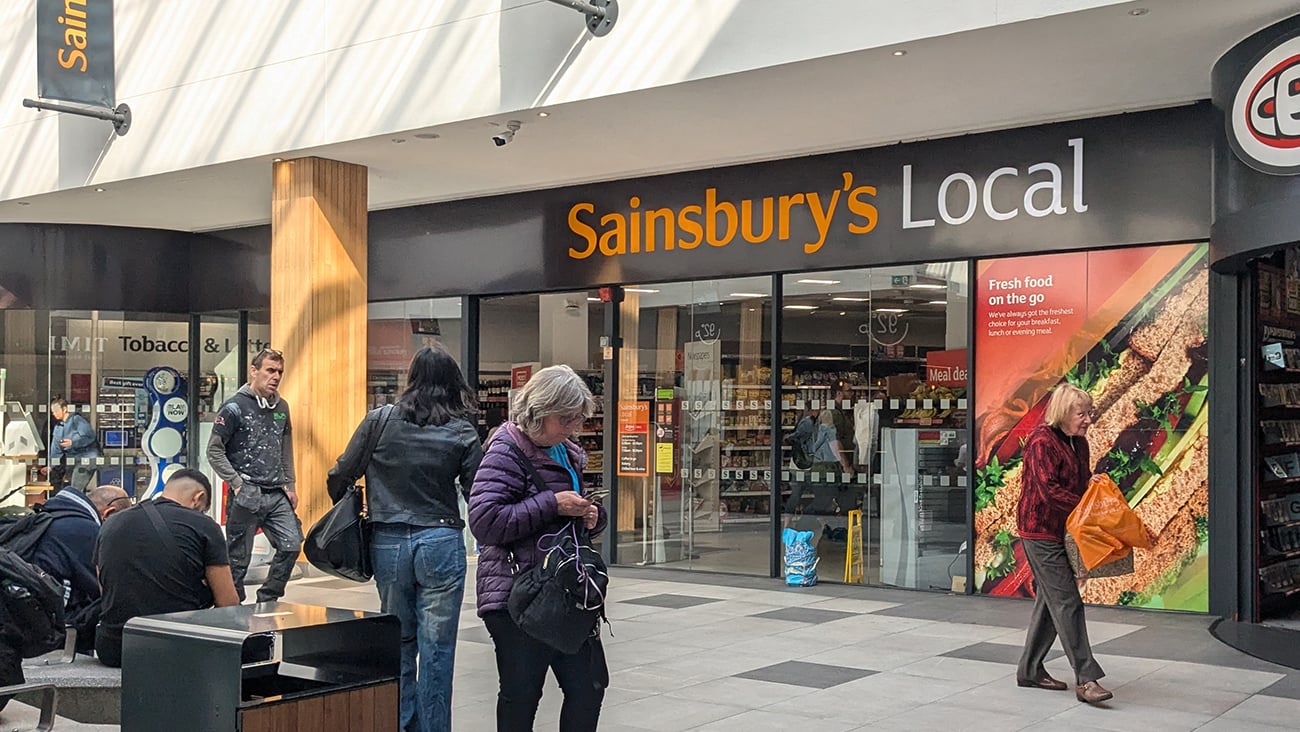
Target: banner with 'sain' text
point(74, 51)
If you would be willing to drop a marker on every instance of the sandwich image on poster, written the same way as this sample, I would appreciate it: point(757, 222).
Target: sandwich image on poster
point(1128, 326)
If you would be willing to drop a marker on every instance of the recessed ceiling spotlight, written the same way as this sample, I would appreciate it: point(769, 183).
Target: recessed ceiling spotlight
point(99, 190)
point(843, 313)
point(543, 114)
point(900, 52)
point(277, 160)
point(427, 135)
point(640, 289)
point(752, 309)
point(811, 281)
point(800, 307)
point(1135, 12)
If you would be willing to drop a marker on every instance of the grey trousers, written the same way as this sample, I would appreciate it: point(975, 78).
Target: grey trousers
point(1058, 610)
point(275, 517)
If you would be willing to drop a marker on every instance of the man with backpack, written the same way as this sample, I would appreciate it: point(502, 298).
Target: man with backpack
point(62, 535)
point(47, 558)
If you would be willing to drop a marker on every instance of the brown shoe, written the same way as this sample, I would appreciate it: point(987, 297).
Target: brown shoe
point(1092, 693)
point(1047, 682)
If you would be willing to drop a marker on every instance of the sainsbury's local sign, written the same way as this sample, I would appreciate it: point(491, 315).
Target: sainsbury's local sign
point(849, 205)
point(1123, 179)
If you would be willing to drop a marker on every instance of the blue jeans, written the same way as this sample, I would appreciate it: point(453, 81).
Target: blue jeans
point(420, 573)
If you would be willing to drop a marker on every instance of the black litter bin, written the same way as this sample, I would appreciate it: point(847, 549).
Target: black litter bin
point(254, 668)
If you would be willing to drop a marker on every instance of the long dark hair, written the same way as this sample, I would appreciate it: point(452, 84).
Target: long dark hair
point(436, 392)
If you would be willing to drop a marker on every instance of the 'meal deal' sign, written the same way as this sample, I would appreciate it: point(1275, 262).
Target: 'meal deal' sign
point(74, 51)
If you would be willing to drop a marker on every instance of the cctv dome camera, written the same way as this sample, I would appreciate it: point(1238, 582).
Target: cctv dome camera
point(502, 139)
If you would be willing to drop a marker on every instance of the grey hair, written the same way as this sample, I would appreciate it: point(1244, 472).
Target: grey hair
point(553, 390)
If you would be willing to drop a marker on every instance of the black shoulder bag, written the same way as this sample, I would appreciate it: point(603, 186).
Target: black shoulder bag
point(339, 542)
point(561, 600)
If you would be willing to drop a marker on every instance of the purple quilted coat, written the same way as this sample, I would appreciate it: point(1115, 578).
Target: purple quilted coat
point(507, 513)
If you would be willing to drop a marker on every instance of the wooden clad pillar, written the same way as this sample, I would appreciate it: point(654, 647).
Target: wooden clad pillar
point(634, 498)
point(318, 312)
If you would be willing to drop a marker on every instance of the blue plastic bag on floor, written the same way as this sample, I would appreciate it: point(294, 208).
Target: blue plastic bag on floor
point(800, 558)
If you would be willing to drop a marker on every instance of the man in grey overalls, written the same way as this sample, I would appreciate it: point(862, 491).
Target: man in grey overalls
point(252, 450)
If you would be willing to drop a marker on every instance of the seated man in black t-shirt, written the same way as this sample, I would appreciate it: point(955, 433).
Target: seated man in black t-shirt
point(161, 556)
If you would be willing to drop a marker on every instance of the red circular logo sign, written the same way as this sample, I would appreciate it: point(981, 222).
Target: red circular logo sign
point(1264, 123)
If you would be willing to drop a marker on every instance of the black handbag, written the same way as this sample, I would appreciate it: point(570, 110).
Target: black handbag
point(339, 542)
point(560, 601)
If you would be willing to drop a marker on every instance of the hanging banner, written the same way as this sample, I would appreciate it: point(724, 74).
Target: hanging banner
point(74, 51)
point(1129, 327)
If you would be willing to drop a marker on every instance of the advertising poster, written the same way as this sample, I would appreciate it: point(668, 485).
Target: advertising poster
point(1128, 326)
point(634, 439)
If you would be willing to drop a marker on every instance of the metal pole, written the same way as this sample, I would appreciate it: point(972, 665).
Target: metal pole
point(582, 7)
point(601, 14)
point(613, 339)
point(120, 117)
point(775, 505)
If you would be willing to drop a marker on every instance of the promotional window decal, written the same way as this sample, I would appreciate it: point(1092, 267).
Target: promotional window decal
point(1129, 326)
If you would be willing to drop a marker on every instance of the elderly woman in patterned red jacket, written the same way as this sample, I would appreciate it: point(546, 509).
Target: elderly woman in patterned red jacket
point(508, 514)
point(1056, 473)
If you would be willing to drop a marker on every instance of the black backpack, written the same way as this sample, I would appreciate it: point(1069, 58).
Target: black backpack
point(34, 601)
point(560, 601)
point(21, 536)
point(799, 449)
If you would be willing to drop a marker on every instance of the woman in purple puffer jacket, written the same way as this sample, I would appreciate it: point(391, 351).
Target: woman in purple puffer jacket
point(508, 515)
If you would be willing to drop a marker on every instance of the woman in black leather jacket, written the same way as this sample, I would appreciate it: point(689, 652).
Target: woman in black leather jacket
point(427, 445)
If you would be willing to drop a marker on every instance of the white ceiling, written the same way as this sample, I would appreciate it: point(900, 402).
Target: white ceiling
point(1077, 65)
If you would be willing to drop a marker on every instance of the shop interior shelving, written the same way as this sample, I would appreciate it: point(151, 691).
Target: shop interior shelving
point(1277, 489)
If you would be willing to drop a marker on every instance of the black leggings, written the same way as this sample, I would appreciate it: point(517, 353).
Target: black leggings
point(522, 662)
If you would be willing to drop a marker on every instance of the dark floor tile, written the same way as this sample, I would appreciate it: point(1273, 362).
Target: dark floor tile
point(675, 602)
point(961, 609)
point(812, 675)
point(1287, 687)
point(805, 615)
point(1189, 644)
point(994, 653)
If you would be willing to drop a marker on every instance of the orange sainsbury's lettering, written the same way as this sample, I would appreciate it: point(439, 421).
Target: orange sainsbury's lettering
point(582, 229)
point(74, 36)
point(721, 220)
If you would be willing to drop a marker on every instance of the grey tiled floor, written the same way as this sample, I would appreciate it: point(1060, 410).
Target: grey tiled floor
point(710, 652)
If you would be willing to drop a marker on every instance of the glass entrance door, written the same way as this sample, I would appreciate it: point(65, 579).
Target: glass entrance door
point(693, 440)
point(875, 419)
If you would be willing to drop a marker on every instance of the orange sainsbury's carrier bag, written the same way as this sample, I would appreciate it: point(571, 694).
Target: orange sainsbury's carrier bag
point(1103, 526)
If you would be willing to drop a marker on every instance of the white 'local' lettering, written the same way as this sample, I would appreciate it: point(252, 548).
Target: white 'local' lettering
point(975, 194)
